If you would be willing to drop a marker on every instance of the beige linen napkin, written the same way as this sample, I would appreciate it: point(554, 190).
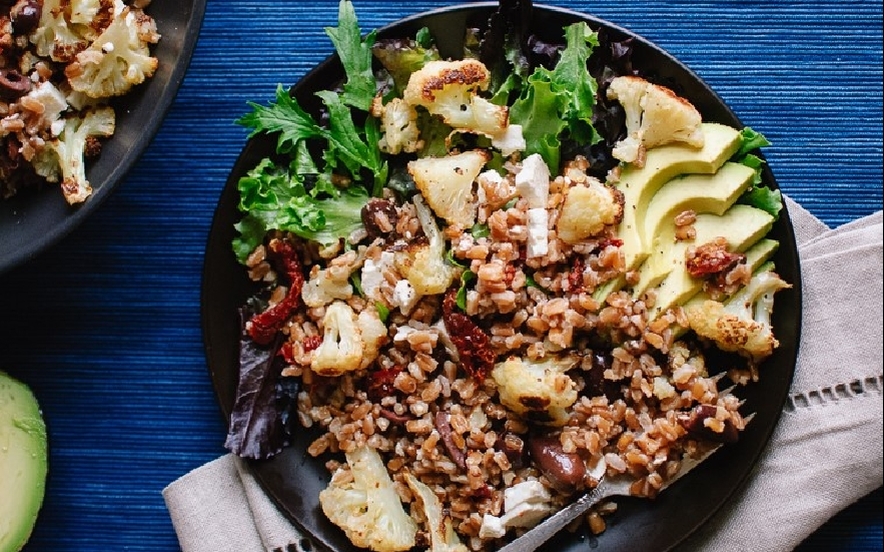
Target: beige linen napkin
point(825, 453)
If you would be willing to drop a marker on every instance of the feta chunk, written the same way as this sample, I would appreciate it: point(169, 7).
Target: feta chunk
point(373, 275)
point(526, 492)
point(524, 504)
point(492, 527)
point(510, 140)
point(538, 233)
point(532, 182)
point(404, 296)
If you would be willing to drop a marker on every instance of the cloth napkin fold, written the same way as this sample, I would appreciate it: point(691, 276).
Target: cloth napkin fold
point(825, 453)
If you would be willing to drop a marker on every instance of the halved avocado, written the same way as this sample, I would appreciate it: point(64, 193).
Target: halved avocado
point(23, 463)
point(741, 225)
point(662, 164)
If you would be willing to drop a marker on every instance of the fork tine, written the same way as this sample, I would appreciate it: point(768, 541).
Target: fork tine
point(688, 463)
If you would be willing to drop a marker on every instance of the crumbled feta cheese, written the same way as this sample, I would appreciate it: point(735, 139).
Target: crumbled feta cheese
point(538, 233)
point(510, 140)
point(532, 182)
point(526, 492)
point(404, 296)
point(526, 515)
point(373, 275)
point(524, 505)
point(402, 333)
point(53, 102)
point(492, 527)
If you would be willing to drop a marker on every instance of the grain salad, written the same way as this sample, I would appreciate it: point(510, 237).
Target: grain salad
point(477, 327)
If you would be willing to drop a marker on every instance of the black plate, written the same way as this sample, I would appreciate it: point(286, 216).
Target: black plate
point(33, 221)
point(293, 479)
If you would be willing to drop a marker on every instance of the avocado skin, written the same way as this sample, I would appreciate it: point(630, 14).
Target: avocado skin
point(23, 463)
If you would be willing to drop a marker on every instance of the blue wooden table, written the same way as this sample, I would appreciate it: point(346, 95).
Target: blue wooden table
point(105, 326)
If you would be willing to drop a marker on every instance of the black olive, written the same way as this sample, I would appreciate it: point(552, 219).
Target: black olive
point(25, 16)
point(13, 85)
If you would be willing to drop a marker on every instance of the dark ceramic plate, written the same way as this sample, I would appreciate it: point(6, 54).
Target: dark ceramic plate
point(293, 479)
point(33, 221)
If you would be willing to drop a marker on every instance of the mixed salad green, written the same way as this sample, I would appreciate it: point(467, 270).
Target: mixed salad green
point(552, 91)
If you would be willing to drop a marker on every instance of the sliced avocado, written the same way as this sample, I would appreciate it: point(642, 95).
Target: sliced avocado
point(741, 225)
point(22, 463)
point(661, 165)
point(756, 259)
point(702, 193)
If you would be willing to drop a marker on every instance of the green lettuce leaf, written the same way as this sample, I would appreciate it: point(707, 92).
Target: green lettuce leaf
point(275, 198)
point(356, 57)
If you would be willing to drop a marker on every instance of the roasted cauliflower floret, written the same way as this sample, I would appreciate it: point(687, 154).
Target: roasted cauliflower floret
point(447, 184)
point(655, 116)
point(373, 333)
point(742, 324)
point(56, 36)
point(326, 285)
point(442, 535)
point(119, 58)
point(423, 262)
point(342, 347)
point(538, 390)
point(399, 125)
point(64, 157)
point(363, 502)
point(450, 89)
point(587, 209)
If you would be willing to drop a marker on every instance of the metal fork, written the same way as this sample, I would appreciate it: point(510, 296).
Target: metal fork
point(608, 487)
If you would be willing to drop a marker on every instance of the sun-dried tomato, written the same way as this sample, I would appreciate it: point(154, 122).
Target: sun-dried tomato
point(711, 258)
point(473, 345)
point(285, 351)
point(616, 242)
point(312, 342)
point(380, 383)
point(262, 328)
point(575, 277)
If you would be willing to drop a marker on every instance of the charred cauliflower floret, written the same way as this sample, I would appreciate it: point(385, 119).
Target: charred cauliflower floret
point(655, 116)
point(443, 538)
point(342, 347)
point(423, 262)
point(64, 157)
point(742, 324)
point(373, 333)
point(450, 90)
point(447, 184)
point(587, 209)
point(119, 58)
point(363, 502)
point(326, 285)
point(56, 36)
point(399, 126)
point(537, 390)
